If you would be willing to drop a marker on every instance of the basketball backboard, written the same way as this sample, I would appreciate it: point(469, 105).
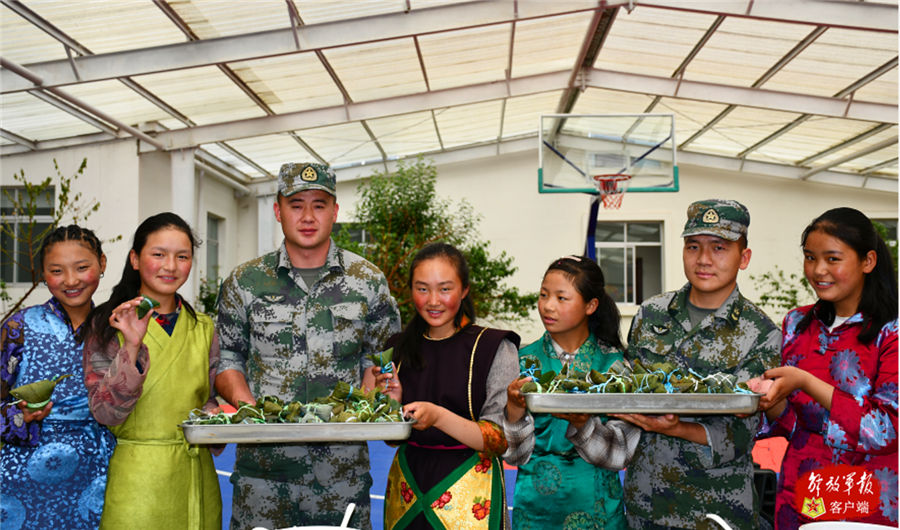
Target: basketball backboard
point(575, 148)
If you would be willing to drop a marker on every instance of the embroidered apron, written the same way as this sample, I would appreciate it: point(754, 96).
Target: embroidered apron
point(156, 480)
point(451, 485)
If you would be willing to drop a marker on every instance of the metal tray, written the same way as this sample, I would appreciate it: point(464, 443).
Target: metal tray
point(644, 403)
point(271, 433)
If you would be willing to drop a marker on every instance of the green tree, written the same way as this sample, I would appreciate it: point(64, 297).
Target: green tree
point(25, 242)
point(891, 243)
point(781, 292)
point(401, 213)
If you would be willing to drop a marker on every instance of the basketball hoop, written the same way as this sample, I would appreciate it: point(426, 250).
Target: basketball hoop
point(612, 189)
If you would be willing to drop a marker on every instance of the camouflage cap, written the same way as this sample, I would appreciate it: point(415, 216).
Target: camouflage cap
point(302, 176)
point(715, 217)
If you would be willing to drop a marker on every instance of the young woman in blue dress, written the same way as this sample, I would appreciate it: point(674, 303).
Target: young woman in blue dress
point(54, 459)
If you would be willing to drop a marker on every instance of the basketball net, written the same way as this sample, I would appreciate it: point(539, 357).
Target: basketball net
point(612, 189)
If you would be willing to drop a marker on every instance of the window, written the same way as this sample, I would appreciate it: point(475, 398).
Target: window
point(20, 251)
point(630, 254)
point(212, 248)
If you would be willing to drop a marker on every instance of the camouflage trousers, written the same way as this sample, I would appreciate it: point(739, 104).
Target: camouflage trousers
point(636, 522)
point(274, 505)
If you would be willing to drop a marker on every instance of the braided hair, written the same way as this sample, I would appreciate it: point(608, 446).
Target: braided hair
point(75, 233)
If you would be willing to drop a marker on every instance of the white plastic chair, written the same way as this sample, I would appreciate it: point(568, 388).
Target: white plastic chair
point(343, 526)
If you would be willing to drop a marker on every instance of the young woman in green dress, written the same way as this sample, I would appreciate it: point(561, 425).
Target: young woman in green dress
point(144, 376)
point(569, 463)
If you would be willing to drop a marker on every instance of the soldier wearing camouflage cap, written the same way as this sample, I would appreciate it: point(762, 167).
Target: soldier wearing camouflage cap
point(291, 324)
point(686, 467)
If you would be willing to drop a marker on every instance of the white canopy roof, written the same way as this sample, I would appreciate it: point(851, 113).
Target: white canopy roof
point(798, 89)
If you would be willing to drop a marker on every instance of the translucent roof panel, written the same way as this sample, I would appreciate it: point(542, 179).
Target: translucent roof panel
point(691, 116)
point(327, 11)
point(466, 57)
point(31, 118)
point(406, 135)
point(741, 50)
point(469, 124)
point(290, 83)
point(214, 18)
point(837, 59)
point(739, 130)
point(116, 99)
point(225, 156)
point(549, 44)
point(870, 159)
point(598, 101)
point(24, 44)
point(651, 41)
point(342, 144)
point(271, 151)
point(522, 114)
point(811, 137)
point(881, 90)
point(204, 95)
point(105, 27)
point(378, 70)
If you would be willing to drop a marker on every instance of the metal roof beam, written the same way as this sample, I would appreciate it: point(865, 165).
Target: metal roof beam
point(240, 156)
point(642, 84)
point(73, 111)
point(882, 165)
point(845, 144)
point(853, 87)
point(742, 96)
point(788, 57)
point(852, 156)
point(281, 42)
point(13, 137)
point(851, 15)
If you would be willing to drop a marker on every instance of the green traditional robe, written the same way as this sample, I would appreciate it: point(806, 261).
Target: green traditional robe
point(556, 488)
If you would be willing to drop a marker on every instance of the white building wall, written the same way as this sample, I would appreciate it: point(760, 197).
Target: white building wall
point(131, 188)
point(111, 176)
point(533, 228)
point(536, 228)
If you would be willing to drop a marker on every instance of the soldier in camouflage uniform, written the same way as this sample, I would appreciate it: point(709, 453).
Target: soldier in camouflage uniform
point(687, 467)
point(291, 324)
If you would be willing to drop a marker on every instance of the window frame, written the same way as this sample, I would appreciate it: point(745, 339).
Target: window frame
point(217, 242)
point(18, 220)
point(631, 248)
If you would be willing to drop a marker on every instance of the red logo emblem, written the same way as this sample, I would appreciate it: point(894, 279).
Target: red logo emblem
point(837, 493)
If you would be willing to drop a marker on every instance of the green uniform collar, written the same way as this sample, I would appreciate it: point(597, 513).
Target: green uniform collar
point(730, 310)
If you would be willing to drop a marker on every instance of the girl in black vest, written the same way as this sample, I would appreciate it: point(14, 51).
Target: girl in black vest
point(452, 379)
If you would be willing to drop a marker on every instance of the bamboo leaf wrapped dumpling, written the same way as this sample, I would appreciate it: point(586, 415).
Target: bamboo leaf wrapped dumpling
point(37, 394)
point(146, 305)
point(383, 360)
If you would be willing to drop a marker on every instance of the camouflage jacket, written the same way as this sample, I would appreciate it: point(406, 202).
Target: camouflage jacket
point(675, 482)
point(296, 342)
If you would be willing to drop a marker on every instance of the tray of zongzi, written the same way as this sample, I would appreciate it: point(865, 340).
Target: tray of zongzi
point(347, 415)
point(656, 389)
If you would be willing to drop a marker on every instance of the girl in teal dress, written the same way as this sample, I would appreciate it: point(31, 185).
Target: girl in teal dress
point(568, 463)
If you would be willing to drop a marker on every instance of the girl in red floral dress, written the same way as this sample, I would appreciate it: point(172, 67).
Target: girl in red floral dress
point(835, 395)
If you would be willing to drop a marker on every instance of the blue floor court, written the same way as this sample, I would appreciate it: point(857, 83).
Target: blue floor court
point(380, 455)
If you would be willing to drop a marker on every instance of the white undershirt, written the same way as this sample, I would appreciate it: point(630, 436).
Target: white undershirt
point(837, 322)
